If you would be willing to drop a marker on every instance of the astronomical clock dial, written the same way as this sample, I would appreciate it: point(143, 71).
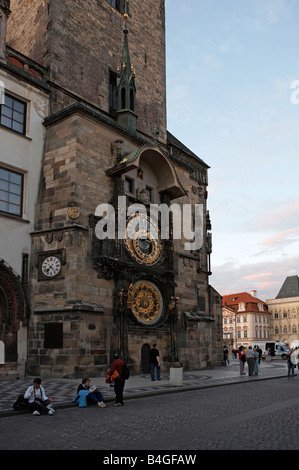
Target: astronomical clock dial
point(51, 266)
point(143, 240)
point(147, 302)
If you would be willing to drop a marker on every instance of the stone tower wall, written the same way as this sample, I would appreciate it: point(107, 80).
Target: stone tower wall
point(70, 38)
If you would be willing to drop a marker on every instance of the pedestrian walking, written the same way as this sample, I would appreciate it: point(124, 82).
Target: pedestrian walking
point(291, 365)
point(38, 402)
point(256, 361)
point(250, 360)
point(155, 362)
point(94, 396)
point(225, 354)
point(260, 352)
point(242, 360)
point(119, 382)
point(268, 355)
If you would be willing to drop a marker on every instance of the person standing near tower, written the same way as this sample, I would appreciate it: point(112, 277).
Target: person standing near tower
point(155, 362)
point(119, 382)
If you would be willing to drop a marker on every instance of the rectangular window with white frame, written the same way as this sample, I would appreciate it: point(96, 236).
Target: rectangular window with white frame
point(13, 113)
point(11, 192)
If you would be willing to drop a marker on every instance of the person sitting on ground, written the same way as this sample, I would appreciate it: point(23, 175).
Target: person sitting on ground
point(38, 402)
point(94, 396)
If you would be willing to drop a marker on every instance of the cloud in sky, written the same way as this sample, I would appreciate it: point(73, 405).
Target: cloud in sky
point(264, 277)
point(271, 11)
point(285, 237)
point(281, 216)
point(230, 66)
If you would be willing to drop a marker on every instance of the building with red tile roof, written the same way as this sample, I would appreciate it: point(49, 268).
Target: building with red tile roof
point(246, 319)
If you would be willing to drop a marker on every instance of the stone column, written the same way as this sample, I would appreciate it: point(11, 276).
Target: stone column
point(4, 13)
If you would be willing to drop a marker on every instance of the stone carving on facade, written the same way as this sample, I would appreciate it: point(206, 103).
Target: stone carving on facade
point(142, 195)
point(104, 267)
point(173, 306)
point(122, 298)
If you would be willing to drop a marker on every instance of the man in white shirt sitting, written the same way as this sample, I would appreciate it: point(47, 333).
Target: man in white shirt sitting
point(38, 402)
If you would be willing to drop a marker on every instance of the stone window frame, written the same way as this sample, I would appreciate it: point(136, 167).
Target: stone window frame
point(150, 193)
point(131, 185)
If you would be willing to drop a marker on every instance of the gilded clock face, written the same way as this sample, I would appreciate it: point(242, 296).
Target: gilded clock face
point(51, 266)
point(143, 240)
point(147, 302)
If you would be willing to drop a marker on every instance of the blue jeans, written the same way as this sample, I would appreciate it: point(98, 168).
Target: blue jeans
point(153, 366)
point(291, 366)
point(96, 396)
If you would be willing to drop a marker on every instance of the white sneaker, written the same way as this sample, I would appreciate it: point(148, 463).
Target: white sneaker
point(102, 405)
point(36, 413)
point(51, 412)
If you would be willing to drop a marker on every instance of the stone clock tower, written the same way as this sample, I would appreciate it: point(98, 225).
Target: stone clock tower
point(108, 160)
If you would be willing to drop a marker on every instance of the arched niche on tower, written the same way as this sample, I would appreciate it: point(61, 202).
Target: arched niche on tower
point(149, 168)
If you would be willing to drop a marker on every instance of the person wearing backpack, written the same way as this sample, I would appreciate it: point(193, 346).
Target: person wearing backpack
point(119, 382)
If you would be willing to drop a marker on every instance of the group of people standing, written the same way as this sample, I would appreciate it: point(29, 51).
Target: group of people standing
point(250, 355)
point(253, 358)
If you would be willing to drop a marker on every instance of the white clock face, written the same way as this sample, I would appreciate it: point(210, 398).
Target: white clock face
point(51, 266)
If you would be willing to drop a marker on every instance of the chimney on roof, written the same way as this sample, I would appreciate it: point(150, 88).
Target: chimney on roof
point(253, 293)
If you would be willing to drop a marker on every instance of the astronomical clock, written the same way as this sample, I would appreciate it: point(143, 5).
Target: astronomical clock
point(143, 241)
point(141, 262)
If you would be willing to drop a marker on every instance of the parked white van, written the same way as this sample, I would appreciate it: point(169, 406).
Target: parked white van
point(277, 348)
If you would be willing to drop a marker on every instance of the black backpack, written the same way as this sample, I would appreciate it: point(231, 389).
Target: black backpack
point(20, 404)
point(126, 372)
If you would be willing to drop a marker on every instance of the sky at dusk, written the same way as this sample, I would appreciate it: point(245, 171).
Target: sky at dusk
point(233, 99)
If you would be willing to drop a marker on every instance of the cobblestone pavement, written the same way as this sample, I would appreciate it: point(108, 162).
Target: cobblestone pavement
point(63, 390)
point(256, 415)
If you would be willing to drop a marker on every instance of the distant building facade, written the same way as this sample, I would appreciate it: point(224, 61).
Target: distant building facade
point(284, 311)
point(246, 319)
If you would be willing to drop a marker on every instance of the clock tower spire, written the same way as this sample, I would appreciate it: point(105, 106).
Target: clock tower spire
point(126, 87)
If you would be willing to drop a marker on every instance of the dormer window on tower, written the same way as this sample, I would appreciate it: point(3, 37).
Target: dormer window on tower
point(112, 93)
point(118, 5)
point(130, 97)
